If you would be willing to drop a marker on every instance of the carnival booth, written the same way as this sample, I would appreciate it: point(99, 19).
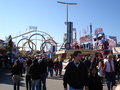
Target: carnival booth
point(3, 53)
point(116, 50)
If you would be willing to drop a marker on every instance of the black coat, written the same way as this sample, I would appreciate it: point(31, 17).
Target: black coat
point(95, 83)
point(43, 66)
point(16, 70)
point(35, 71)
point(76, 77)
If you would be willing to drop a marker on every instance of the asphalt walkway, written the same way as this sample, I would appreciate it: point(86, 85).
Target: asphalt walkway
point(54, 83)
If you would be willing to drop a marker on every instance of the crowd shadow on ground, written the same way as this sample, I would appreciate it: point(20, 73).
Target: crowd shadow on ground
point(6, 78)
point(56, 77)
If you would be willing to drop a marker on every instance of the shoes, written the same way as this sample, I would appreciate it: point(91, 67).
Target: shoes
point(111, 89)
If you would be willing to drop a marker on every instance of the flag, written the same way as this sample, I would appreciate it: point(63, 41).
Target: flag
point(84, 31)
point(112, 43)
point(113, 37)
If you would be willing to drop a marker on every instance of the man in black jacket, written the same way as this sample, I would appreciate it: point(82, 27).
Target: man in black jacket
point(76, 75)
point(43, 65)
point(35, 72)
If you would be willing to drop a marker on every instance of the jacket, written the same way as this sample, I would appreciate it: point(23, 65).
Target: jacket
point(76, 77)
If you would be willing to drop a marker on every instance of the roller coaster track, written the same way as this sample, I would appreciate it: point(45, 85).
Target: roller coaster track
point(31, 32)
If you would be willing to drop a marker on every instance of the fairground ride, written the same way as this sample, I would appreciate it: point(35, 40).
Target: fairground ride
point(32, 42)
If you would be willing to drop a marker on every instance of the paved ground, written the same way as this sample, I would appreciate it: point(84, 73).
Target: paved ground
point(54, 83)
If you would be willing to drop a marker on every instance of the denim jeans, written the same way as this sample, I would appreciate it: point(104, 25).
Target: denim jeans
point(110, 77)
point(75, 89)
point(36, 83)
point(28, 82)
point(43, 81)
point(17, 86)
point(51, 71)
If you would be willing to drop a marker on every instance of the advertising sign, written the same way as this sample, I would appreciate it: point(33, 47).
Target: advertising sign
point(85, 38)
point(98, 30)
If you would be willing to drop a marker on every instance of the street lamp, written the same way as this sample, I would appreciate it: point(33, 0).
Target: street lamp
point(67, 6)
point(65, 3)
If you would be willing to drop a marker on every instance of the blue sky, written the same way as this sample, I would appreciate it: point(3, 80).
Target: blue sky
point(49, 16)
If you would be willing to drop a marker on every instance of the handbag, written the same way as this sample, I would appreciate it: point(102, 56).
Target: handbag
point(16, 78)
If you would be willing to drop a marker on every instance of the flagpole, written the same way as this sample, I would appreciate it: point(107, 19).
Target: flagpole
point(91, 35)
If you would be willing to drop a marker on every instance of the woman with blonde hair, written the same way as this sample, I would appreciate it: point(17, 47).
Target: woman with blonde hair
point(16, 70)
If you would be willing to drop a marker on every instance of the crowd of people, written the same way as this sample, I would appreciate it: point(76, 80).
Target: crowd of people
point(82, 72)
point(85, 72)
point(36, 71)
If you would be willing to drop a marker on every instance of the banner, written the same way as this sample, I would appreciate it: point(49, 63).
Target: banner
point(98, 30)
point(112, 43)
point(85, 38)
point(116, 50)
point(113, 37)
point(1, 41)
